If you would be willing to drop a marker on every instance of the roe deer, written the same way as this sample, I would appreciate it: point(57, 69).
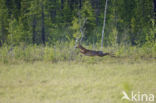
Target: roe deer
point(92, 52)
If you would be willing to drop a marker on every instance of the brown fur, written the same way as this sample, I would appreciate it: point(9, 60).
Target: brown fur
point(91, 52)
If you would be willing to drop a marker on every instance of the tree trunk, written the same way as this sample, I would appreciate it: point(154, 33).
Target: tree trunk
point(33, 29)
point(80, 4)
point(2, 32)
point(104, 21)
point(8, 5)
point(97, 12)
point(154, 2)
point(62, 2)
point(62, 13)
point(42, 28)
point(53, 12)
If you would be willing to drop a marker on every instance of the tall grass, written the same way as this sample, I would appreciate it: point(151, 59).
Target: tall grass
point(67, 52)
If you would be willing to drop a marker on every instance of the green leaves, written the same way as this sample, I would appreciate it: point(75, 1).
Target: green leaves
point(128, 21)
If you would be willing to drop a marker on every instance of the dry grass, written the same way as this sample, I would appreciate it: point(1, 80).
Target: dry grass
point(75, 82)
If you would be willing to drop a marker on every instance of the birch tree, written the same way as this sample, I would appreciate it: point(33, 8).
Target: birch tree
point(104, 22)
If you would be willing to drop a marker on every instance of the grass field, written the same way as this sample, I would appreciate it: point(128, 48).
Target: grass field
point(76, 82)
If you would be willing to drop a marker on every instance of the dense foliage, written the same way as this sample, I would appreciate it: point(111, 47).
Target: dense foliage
point(50, 21)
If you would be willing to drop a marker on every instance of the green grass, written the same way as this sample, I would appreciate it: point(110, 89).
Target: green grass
point(76, 82)
point(67, 52)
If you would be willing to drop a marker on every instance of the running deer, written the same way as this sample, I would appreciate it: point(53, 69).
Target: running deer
point(92, 52)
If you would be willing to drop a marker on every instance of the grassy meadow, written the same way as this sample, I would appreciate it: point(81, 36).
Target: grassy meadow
point(39, 61)
point(48, 75)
